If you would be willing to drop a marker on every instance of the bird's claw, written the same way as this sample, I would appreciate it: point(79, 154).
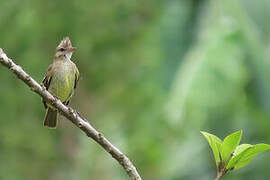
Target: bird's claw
point(42, 86)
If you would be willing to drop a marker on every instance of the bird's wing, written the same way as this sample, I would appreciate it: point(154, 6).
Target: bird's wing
point(77, 76)
point(47, 80)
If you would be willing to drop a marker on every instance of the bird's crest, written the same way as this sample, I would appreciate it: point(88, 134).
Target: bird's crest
point(65, 43)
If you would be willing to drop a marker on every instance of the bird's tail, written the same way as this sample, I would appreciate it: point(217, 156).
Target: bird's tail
point(50, 119)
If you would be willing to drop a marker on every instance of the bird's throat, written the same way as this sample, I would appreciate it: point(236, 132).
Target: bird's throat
point(68, 55)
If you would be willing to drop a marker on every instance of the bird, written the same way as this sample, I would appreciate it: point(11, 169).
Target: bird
point(60, 80)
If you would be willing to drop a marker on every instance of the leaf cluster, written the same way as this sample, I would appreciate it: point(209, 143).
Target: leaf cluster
point(229, 155)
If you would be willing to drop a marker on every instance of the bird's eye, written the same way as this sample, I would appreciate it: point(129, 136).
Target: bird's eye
point(62, 49)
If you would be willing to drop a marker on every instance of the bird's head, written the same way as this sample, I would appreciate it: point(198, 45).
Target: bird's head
point(64, 49)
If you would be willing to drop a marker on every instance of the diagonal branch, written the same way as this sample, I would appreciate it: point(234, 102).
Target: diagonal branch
point(71, 115)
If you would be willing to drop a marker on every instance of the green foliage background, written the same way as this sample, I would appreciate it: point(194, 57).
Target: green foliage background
point(154, 73)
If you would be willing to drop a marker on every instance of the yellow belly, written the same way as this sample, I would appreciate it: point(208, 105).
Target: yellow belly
point(62, 83)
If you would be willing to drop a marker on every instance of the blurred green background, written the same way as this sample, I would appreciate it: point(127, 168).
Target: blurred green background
point(153, 74)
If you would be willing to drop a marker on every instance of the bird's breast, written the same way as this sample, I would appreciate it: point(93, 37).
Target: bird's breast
point(62, 82)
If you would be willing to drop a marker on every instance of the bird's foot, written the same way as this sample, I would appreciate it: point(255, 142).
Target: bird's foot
point(42, 86)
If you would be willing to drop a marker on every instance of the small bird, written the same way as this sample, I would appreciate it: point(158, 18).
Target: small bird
point(60, 80)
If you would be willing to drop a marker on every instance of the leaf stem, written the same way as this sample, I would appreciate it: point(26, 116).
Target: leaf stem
point(219, 175)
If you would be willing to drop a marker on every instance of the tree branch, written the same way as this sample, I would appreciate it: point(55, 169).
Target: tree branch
point(71, 115)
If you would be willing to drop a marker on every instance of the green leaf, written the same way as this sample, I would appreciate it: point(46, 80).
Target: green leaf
point(214, 143)
point(247, 155)
point(229, 144)
point(239, 149)
point(256, 149)
point(243, 163)
point(250, 154)
point(238, 154)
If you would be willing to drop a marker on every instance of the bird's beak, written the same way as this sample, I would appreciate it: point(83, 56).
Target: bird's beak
point(71, 49)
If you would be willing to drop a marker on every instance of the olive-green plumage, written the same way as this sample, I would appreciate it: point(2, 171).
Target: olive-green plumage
point(60, 80)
